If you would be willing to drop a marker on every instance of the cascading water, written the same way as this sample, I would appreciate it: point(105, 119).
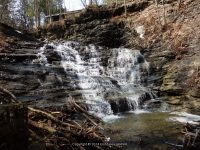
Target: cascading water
point(102, 76)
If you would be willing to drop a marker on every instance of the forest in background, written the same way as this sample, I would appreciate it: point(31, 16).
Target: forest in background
point(28, 14)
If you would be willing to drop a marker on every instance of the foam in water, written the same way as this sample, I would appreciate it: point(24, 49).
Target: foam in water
point(184, 117)
point(140, 111)
point(111, 118)
point(100, 74)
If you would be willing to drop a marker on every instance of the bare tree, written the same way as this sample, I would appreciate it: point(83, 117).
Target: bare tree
point(4, 10)
point(90, 2)
point(156, 2)
point(164, 14)
point(84, 3)
point(36, 8)
point(96, 2)
point(60, 3)
point(49, 11)
point(23, 13)
point(125, 8)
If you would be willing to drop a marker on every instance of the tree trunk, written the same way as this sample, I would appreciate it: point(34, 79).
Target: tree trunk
point(164, 15)
point(84, 3)
point(125, 8)
point(60, 10)
point(90, 2)
point(39, 18)
point(36, 13)
point(24, 14)
point(49, 11)
point(96, 2)
point(4, 12)
point(156, 1)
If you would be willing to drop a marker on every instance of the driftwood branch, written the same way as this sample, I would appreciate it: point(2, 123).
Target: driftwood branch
point(50, 116)
point(85, 113)
point(191, 136)
point(8, 95)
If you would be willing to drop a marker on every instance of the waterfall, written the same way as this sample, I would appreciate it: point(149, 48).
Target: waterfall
point(101, 75)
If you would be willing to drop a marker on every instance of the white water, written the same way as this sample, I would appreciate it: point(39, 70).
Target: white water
point(41, 57)
point(18, 31)
point(184, 117)
point(98, 80)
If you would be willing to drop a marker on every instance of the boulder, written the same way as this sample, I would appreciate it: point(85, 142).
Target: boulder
point(121, 104)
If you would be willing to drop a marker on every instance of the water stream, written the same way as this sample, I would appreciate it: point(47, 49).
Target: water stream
point(109, 80)
point(145, 131)
point(113, 83)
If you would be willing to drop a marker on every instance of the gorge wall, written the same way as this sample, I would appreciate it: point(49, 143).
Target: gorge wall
point(171, 49)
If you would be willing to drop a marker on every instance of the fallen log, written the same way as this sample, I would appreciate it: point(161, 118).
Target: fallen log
point(86, 114)
point(50, 116)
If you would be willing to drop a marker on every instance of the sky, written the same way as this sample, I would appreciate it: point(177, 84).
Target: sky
point(74, 5)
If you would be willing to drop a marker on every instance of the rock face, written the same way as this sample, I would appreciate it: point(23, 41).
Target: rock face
point(100, 32)
point(176, 80)
point(120, 103)
point(174, 65)
point(25, 79)
point(174, 58)
point(57, 71)
point(181, 83)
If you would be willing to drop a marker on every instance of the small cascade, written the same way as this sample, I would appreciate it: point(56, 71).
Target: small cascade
point(109, 80)
point(41, 57)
